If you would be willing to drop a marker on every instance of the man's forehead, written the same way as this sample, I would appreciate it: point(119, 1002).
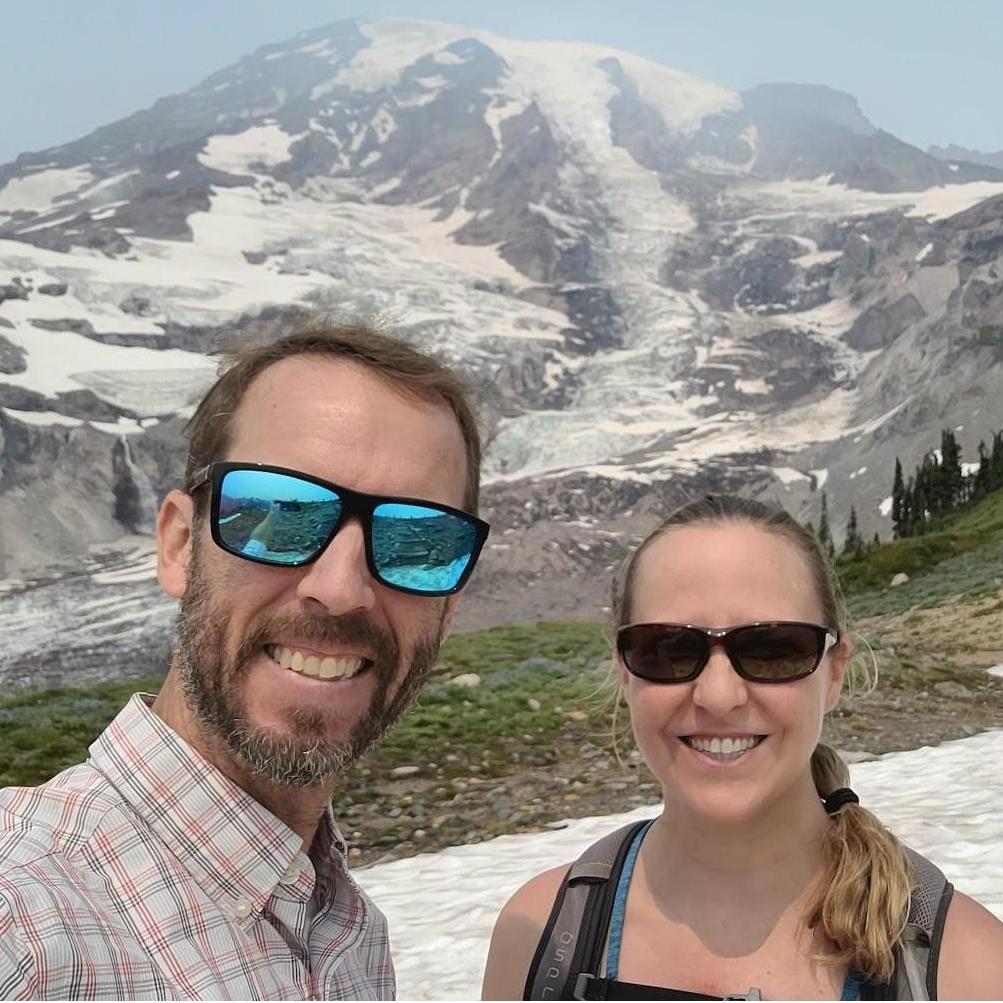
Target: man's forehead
point(299, 405)
point(334, 385)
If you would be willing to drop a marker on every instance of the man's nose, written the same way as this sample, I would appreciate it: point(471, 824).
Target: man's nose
point(339, 580)
point(719, 688)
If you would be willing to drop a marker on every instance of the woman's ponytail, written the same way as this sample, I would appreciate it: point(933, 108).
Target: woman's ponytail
point(862, 899)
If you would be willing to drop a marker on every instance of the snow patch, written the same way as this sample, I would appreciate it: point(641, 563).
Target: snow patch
point(107, 211)
point(819, 198)
point(885, 508)
point(821, 476)
point(435, 82)
point(63, 360)
point(788, 475)
point(261, 145)
point(317, 49)
point(143, 567)
point(926, 250)
point(446, 58)
point(383, 124)
point(752, 387)
point(36, 192)
point(42, 418)
point(123, 426)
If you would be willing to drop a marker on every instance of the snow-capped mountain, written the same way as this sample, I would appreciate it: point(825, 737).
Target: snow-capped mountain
point(662, 287)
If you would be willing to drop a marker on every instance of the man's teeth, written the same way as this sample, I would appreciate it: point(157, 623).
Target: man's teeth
point(722, 746)
point(319, 668)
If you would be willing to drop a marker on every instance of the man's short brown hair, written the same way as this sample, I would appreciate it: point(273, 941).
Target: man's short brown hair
point(412, 372)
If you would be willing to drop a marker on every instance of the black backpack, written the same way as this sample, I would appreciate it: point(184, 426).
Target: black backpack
point(567, 961)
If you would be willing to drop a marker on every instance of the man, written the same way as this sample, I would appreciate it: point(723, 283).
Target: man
point(317, 551)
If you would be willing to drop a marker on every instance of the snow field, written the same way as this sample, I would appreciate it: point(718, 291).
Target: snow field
point(442, 906)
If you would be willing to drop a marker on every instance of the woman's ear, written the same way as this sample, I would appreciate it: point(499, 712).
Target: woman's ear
point(622, 676)
point(839, 659)
point(174, 542)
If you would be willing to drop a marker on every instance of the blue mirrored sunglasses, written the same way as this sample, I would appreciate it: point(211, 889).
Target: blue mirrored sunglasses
point(285, 518)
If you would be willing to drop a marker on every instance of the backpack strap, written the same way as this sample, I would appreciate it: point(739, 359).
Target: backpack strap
point(918, 954)
point(573, 941)
point(574, 938)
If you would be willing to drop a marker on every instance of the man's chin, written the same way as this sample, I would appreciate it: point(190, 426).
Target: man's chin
point(290, 762)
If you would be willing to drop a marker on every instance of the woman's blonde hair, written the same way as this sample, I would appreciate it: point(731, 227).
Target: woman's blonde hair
point(861, 901)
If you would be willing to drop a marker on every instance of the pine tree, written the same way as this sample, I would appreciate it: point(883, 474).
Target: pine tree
point(996, 463)
point(898, 490)
point(980, 485)
point(876, 542)
point(919, 504)
point(824, 534)
point(853, 546)
point(905, 523)
point(930, 476)
point(952, 478)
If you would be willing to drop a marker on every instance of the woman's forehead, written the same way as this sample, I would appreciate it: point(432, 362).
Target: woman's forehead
point(732, 555)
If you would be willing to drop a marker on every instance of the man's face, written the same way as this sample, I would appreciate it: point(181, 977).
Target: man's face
point(240, 621)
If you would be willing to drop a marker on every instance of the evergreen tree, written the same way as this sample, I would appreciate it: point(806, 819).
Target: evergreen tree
point(824, 534)
point(980, 485)
point(876, 542)
point(853, 546)
point(898, 489)
point(905, 523)
point(930, 475)
point(952, 478)
point(996, 462)
point(919, 505)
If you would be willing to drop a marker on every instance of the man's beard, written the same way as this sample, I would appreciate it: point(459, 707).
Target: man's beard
point(211, 684)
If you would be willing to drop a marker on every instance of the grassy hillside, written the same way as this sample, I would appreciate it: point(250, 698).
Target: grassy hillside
point(962, 559)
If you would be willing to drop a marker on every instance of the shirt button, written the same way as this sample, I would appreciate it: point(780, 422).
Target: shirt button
point(242, 908)
point(292, 875)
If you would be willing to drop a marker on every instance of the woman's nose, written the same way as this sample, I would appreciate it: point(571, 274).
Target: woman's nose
point(719, 688)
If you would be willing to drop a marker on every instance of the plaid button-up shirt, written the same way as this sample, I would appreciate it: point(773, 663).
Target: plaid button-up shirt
point(145, 873)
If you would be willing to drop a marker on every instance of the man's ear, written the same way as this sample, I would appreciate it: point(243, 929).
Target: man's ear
point(448, 614)
point(174, 542)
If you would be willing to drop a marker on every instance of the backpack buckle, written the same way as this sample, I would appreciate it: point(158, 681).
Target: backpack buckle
point(582, 987)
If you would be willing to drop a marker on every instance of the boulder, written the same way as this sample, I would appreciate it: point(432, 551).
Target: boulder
point(951, 689)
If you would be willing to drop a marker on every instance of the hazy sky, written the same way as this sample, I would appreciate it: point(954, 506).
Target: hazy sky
point(925, 70)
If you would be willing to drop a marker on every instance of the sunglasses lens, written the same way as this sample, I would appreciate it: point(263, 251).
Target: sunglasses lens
point(421, 549)
point(661, 653)
point(273, 517)
point(773, 652)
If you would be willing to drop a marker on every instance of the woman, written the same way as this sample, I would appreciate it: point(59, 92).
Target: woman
point(762, 878)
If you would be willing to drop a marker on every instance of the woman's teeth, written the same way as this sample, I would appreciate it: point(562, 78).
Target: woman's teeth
point(311, 665)
point(725, 748)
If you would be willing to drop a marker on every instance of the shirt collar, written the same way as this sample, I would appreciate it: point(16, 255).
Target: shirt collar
point(233, 847)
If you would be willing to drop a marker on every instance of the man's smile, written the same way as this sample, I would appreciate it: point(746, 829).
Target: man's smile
point(318, 666)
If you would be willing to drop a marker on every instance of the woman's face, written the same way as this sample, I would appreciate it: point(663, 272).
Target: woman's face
point(722, 575)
